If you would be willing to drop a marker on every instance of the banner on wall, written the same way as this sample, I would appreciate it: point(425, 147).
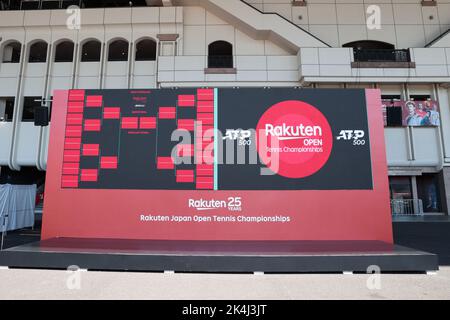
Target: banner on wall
point(421, 113)
point(228, 164)
point(414, 113)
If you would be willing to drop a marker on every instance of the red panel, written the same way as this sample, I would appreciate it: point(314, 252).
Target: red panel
point(205, 94)
point(167, 112)
point(72, 144)
point(202, 157)
point(89, 175)
point(75, 107)
point(92, 125)
point(207, 135)
point(203, 144)
point(185, 176)
point(186, 124)
point(186, 100)
point(75, 119)
point(73, 131)
point(317, 215)
point(205, 118)
point(208, 157)
point(76, 95)
point(69, 181)
point(71, 168)
point(205, 107)
point(108, 162)
point(185, 150)
point(165, 163)
point(71, 155)
point(111, 113)
point(94, 101)
point(205, 170)
point(147, 123)
point(130, 122)
point(91, 149)
point(205, 183)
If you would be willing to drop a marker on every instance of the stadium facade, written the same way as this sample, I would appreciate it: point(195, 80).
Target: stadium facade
point(400, 47)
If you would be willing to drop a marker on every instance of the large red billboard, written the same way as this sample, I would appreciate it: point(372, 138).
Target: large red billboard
point(217, 164)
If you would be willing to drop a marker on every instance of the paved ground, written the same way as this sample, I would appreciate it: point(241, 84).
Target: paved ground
point(45, 284)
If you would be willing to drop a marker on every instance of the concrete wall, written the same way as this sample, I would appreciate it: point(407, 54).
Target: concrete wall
point(405, 23)
point(259, 59)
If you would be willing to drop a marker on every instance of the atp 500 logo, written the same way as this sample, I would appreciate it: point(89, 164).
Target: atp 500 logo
point(242, 136)
point(356, 136)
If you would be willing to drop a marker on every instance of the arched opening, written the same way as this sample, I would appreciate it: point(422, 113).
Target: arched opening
point(118, 51)
point(91, 51)
point(377, 51)
point(64, 51)
point(38, 52)
point(146, 50)
point(369, 44)
point(11, 52)
point(220, 55)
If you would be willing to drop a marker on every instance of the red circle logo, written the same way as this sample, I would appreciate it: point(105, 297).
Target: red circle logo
point(294, 139)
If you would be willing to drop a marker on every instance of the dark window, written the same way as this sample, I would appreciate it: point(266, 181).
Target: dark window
point(68, 3)
point(391, 97)
point(50, 4)
point(29, 103)
point(377, 51)
point(64, 52)
point(7, 109)
point(26, 175)
point(220, 55)
point(146, 50)
point(10, 5)
point(400, 188)
point(393, 112)
point(56, 4)
point(38, 52)
point(419, 97)
point(118, 3)
point(11, 52)
point(91, 51)
point(429, 189)
point(118, 51)
point(29, 5)
point(369, 44)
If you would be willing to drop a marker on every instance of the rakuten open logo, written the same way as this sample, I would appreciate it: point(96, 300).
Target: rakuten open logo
point(294, 139)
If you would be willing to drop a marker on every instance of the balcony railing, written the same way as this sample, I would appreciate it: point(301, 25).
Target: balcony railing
point(220, 61)
point(410, 207)
point(382, 55)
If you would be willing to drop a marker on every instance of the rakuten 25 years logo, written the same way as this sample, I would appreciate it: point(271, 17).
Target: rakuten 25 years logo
point(231, 204)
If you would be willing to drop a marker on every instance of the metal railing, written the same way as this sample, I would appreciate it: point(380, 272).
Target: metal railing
point(220, 61)
point(410, 207)
point(382, 55)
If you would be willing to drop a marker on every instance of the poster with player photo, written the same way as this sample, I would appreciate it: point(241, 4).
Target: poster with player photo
point(421, 113)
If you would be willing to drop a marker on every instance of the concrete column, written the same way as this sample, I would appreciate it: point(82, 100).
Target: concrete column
point(2, 109)
point(446, 175)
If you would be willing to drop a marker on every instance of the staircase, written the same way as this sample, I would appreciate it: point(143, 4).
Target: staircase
point(259, 25)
